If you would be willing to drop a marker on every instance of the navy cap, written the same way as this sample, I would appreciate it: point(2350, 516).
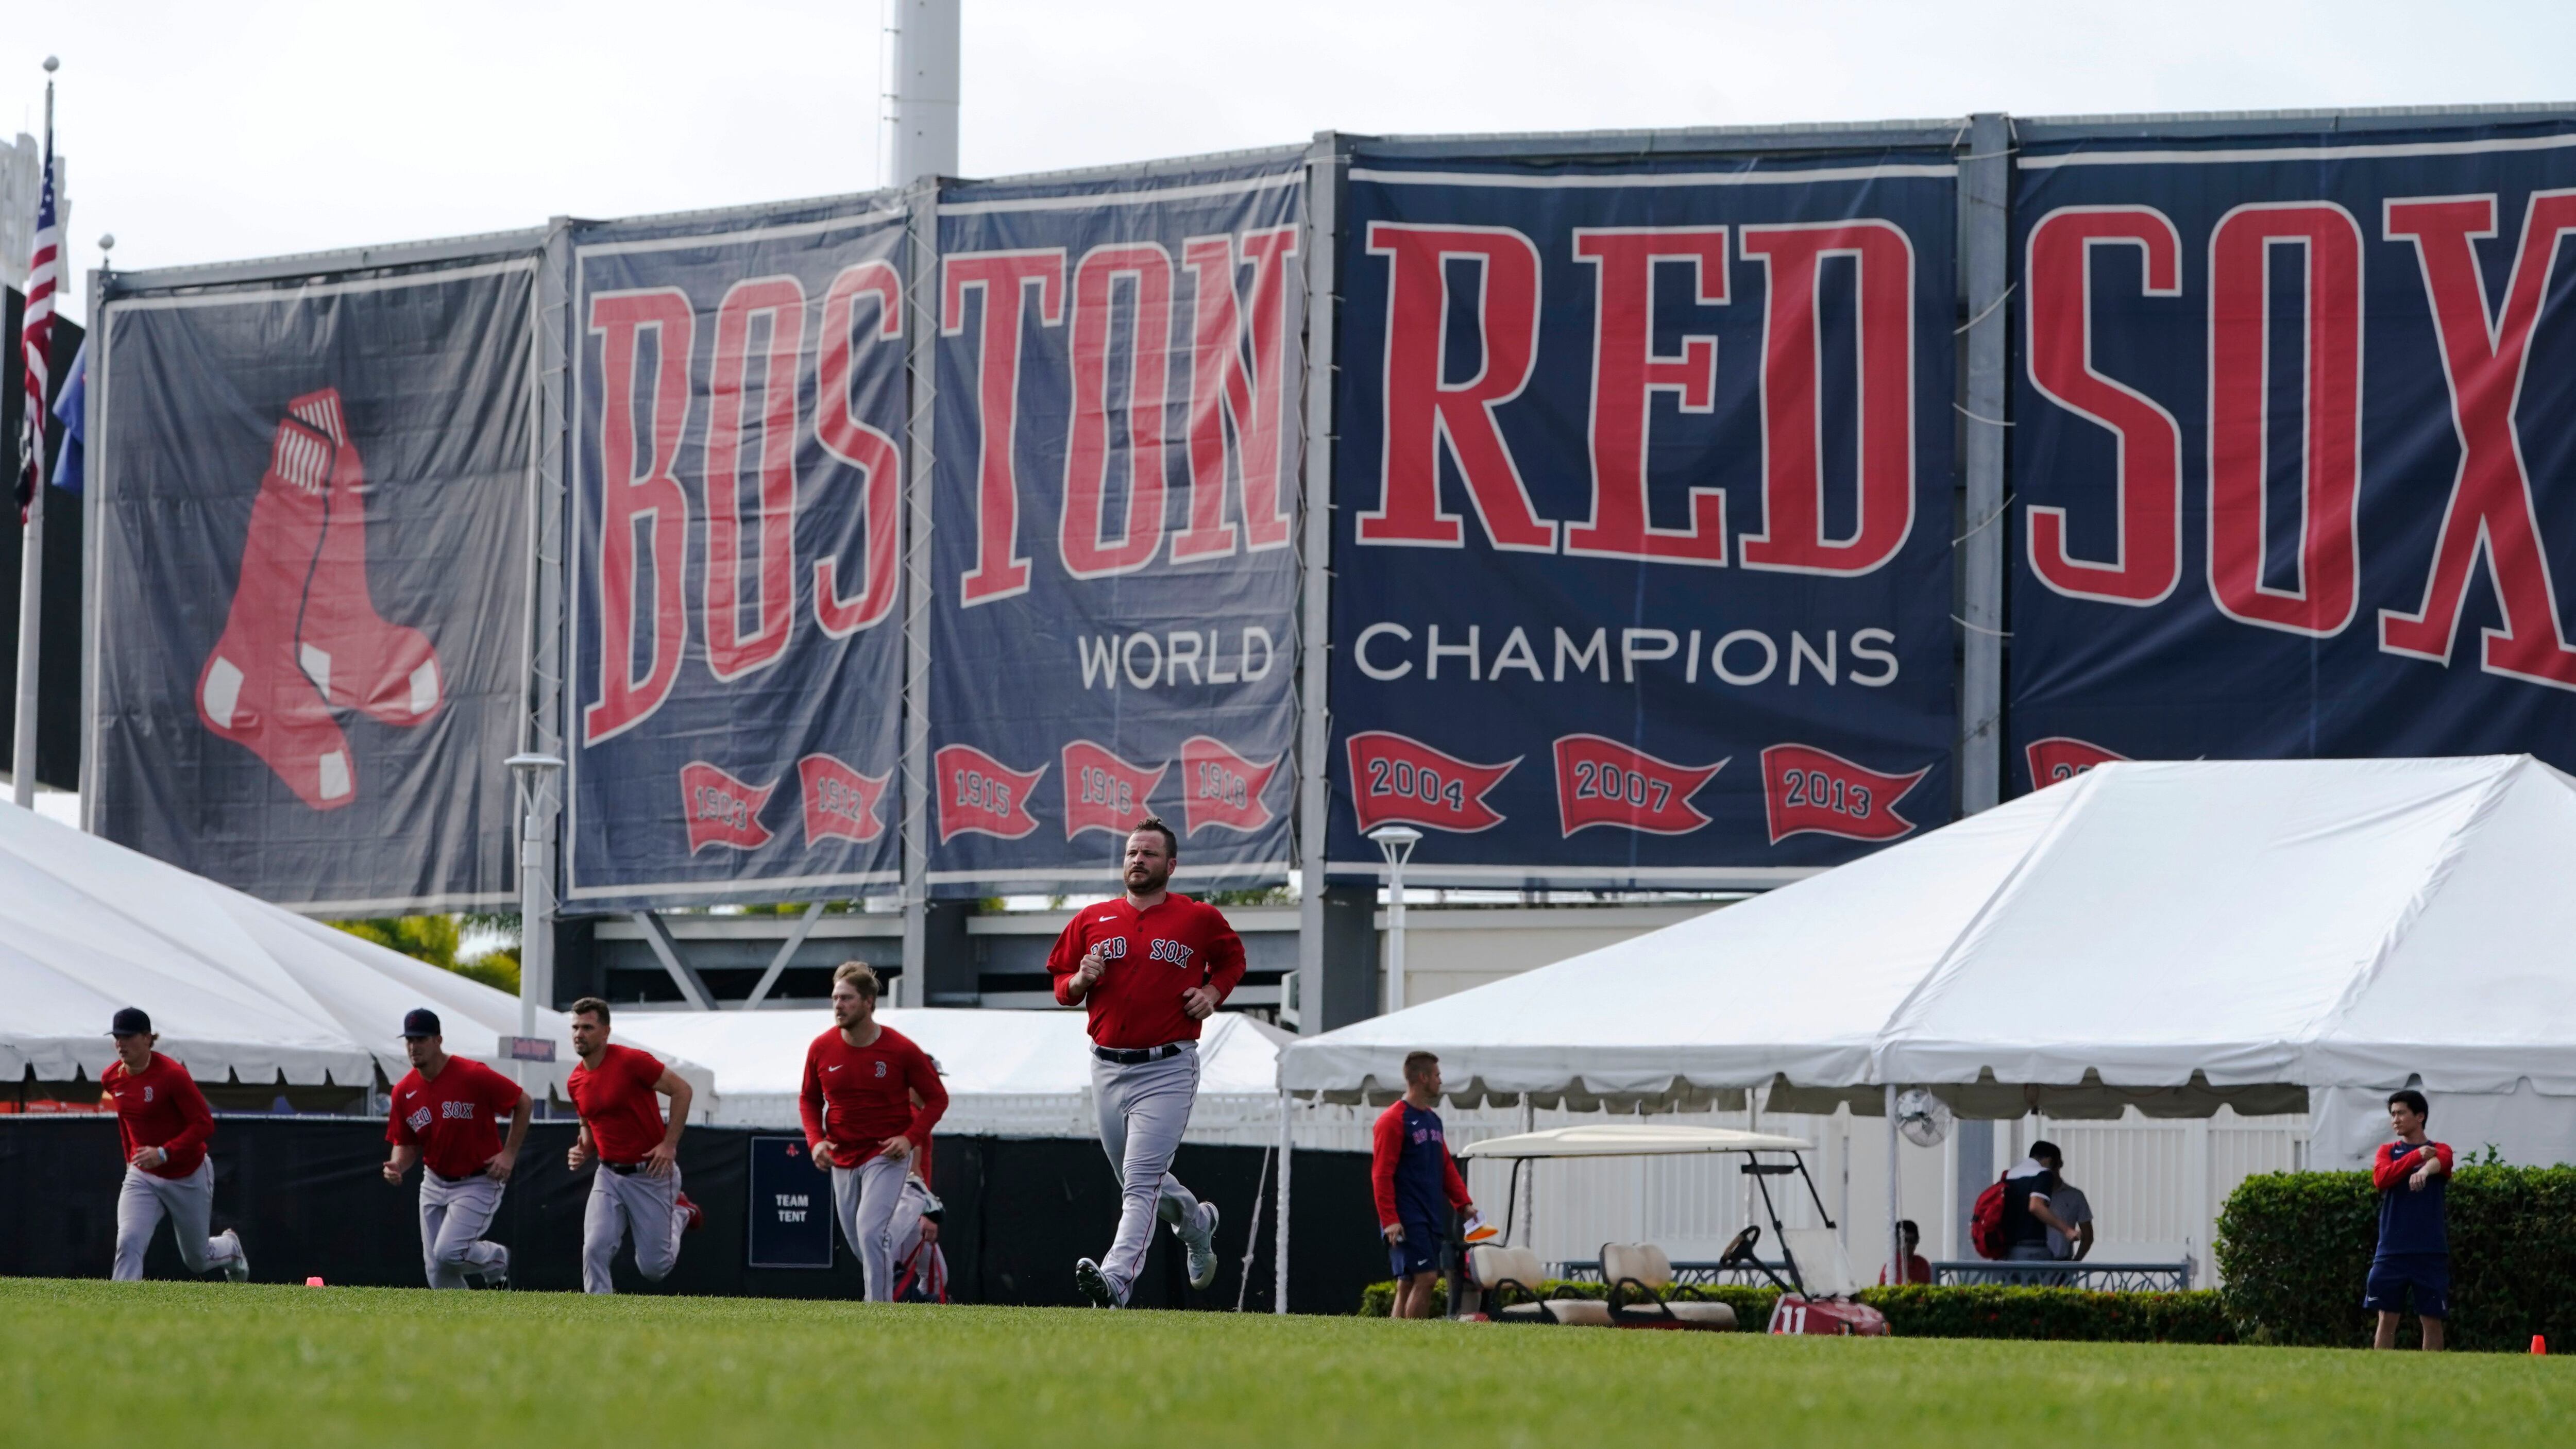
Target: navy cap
point(130, 1021)
point(420, 1021)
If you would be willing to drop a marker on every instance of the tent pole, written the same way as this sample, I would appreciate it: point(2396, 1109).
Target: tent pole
point(1895, 1205)
point(1287, 1147)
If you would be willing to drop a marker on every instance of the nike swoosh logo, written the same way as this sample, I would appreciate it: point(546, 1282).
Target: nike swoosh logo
point(833, 1068)
point(1108, 920)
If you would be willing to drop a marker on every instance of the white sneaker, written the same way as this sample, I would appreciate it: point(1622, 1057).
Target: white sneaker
point(1202, 1246)
point(236, 1267)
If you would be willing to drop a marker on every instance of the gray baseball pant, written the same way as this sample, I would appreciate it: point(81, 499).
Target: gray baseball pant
point(190, 1202)
point(637, 1204)
point(453, 1216)
point(864, 1199)
point(1144, 1109)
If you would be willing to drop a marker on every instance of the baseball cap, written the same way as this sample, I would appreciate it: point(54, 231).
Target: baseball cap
point(420, 1021)
point(130, 1021)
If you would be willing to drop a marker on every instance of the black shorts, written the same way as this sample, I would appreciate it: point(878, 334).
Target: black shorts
point(2426, 1277)
point(1418, 1253)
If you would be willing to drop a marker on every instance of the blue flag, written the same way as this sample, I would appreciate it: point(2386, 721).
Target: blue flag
point(70, 411)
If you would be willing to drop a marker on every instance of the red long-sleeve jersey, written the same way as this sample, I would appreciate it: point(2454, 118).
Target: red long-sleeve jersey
point(160, 1106)
point(1410, 1169)
point(2397, 1162)
point(857, 1097)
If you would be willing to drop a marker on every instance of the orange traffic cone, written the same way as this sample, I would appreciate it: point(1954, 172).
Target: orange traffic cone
point(2539, 1345)
point(316, 1283)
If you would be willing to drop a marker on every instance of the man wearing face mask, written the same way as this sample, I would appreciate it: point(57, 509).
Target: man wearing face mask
point(164, 1124)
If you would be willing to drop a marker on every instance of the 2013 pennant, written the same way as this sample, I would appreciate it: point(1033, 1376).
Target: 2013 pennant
point(1805, 789)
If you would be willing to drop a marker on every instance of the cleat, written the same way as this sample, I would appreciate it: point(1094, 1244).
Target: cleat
point(1088, 1281)
point(696, 1215)
point(237, 1267)
point(499, 1276)
point(1201, 1245)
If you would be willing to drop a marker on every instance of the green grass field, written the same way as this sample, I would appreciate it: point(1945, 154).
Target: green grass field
point(211, 1364)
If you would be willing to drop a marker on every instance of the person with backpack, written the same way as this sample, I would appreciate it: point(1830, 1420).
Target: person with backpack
point(2013, 1218)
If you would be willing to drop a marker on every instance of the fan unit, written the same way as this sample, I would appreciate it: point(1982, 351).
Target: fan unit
point(1922, 1117)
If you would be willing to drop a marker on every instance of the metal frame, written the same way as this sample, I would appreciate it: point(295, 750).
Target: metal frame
point(921, 454)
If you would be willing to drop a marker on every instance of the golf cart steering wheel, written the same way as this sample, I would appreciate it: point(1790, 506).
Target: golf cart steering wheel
point(1740, 1250)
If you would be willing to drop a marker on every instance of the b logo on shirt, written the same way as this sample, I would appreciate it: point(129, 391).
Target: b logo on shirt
point(418, 1121)
point(880, 1069)
point(456, 1111)
point(1172, 951)
point(147, 1094)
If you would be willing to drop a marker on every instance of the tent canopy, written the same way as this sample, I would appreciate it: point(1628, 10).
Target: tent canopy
point(1631, 1139)
point(2169, 935)
point(236, 987)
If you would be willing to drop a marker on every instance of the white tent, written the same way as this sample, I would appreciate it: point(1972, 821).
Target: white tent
point(1008, 1073)
point(2173, 935)
point(238, 988)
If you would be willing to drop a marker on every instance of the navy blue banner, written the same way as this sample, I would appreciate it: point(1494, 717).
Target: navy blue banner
point(1642, 542)
point(737, 486)
point(1114, 571)
point(2294, 448)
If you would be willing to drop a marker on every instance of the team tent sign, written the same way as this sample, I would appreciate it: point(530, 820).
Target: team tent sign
point(2294, 447)
point(1641, 553)
point(1113, 579)
point(737, 496)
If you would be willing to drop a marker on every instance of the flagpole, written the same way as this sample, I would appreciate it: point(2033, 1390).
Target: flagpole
point(31, 557)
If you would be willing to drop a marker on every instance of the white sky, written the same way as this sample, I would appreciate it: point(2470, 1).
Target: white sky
point(201, 132)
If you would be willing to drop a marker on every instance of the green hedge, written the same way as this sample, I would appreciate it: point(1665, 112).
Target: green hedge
point(1970, 1312)
point(2294, 1249)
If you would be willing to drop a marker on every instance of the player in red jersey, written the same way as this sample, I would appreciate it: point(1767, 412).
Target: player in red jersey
point(1149, 966)
point(870, 1098)
point(1416, 1185)
point(637, 1190)
point(443, 1118)
point(164, 1123)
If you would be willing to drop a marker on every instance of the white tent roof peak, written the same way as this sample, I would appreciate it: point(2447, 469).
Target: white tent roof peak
point(2309, 922)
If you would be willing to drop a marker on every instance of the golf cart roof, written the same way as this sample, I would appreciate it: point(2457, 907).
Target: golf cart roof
point(1623, 1139)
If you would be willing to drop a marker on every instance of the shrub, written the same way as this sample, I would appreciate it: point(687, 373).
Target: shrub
point(2295, 1247)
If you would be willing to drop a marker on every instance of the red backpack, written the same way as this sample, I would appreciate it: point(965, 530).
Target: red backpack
point(1986, 1222)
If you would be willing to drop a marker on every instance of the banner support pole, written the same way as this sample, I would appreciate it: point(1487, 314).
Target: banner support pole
point(1985, 225)
point(31, 553)
point(1327, 162)
point(541, 829)
point(921, 358)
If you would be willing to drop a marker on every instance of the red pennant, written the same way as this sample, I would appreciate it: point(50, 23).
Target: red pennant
point(840, 803)
point(1222, 789)
point(1805, 788)
point(979, 795)
point(1401, 781)
point(1603, 782)
point(722, 810)
point(1104, 792)
point(2062, 758)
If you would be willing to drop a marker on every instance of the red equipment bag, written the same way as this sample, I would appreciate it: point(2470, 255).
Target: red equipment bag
point(1986, 1222)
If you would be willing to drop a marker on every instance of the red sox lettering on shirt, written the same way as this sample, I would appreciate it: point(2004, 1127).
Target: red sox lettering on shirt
point(618, 1105)
point(1153, 956)
point(452, 1119)
point(160, 1107)
point(857, 1097)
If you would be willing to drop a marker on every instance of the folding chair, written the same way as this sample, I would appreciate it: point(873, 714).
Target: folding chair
point(1647, 1271)
point(1499, 1270)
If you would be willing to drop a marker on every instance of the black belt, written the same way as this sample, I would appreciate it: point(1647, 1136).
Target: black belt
point(447, 1181)
point(1141, 1055)
point(624, 1169)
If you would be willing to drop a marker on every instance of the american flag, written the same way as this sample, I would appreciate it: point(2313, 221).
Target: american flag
point(36, 341)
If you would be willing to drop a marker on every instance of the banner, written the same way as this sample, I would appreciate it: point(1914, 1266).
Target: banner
point(1641, 553)
point(1114, 571)
point(310, 645)
point(737, 495)
point(2294, 448)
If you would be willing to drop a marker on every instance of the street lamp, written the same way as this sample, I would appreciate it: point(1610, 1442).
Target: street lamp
point(1396, 842)
point(533, 774)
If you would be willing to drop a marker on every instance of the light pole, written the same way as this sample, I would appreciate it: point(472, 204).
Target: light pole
point(1396, 842)
point(534, 774)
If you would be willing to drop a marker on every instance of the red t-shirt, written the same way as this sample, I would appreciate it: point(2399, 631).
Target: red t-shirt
point(160, 1107)
point(618, 1104)
point(1153, 956)
point(857, 1097)
point(451, 1120)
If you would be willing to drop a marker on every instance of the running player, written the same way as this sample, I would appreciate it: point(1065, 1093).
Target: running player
point(1415, 1184)
point(164, 1123)
point(637, 1190)
point(1149, 966)
point(443, 1117)
point(870, 1098)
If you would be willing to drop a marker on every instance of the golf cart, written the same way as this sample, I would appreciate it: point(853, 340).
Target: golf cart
point(1815, 1296)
